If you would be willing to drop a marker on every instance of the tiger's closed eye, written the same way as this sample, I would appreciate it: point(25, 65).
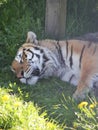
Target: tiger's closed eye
point(22, 72)
point(21, 62)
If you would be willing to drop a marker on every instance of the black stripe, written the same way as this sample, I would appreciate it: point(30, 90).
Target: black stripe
point(41, 51)
point(36, 48)
point(66, 49)
point(70, 59)
point(60, 53)
point(24, 55)
point(90, 43)
point(27, 70)
point(81, 56)
point(43, 71)
point(43, 65)
point(45, 58)
point(71, 78)
point(94, 51)
point(31, 53)
point(38, 56)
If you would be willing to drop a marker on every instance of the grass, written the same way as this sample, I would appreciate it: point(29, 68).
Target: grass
point(15, 114)
point(50, 100)
point(48, 94)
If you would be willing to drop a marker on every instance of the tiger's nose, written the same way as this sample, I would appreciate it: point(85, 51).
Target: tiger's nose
point(20, 74)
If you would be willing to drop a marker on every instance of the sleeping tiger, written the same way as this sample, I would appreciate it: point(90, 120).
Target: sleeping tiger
point(73, 61)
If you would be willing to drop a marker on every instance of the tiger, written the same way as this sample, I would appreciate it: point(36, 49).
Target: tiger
point(74, 61)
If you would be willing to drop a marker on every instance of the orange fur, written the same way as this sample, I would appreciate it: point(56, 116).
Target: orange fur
point(89, 61)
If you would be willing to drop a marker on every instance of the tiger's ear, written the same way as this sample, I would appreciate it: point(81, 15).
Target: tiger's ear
point(31, 38)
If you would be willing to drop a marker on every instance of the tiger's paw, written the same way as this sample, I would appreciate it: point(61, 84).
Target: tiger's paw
point(77, 96)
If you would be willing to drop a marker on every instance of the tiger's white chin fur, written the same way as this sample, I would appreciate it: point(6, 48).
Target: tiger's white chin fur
point(30, 81)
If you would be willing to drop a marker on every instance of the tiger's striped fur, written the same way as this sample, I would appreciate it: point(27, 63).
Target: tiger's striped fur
point(73, 61)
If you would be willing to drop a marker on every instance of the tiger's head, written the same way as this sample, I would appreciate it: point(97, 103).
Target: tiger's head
point(29, 63)
point(33, 61)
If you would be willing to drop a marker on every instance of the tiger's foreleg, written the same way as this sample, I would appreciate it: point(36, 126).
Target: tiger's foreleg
point(88, 76)
point(85, 85)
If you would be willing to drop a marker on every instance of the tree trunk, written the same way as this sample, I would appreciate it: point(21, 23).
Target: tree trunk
point(55, 19)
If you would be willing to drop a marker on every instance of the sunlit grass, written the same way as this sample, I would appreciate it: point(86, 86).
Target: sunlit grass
point(16, 114)
point(21, 103)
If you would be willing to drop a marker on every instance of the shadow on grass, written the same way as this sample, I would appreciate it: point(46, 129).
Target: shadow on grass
point(50, 95)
